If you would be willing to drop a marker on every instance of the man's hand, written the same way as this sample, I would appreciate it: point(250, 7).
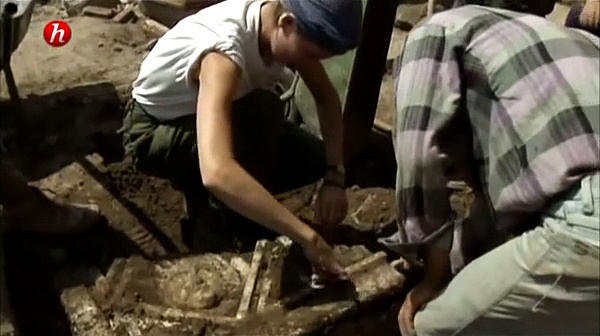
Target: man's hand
point(437, 275)
point(332, 205)
point(590, 14)
point(324, 263)
point(422, 293)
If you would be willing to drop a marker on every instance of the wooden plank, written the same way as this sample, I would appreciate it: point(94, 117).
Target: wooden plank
point(365, 82)
point(251, 280)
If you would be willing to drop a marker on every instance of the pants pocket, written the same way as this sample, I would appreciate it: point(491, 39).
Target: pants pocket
point(133, 130)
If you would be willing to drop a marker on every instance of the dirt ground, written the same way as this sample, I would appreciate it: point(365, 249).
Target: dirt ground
point(73, 99)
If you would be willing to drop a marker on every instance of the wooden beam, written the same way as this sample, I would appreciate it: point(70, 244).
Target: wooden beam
point(367, 74)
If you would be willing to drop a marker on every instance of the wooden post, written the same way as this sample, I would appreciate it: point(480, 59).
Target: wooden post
point(367, 74)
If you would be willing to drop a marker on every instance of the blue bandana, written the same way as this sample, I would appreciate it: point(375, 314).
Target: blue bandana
point(334, 25)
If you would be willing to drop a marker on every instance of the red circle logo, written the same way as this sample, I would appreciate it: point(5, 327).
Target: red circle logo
point(57, 33)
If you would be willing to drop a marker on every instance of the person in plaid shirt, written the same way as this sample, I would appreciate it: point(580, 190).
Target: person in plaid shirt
point(508, 102)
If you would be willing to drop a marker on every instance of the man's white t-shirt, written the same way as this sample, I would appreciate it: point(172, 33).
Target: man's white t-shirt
point(167, 85)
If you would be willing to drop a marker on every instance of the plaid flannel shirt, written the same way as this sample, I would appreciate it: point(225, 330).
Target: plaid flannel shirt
point(523, 91)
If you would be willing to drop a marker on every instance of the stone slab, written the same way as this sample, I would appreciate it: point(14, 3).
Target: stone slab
point(207, 295)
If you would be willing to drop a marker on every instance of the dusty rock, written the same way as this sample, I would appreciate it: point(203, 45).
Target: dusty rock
point(86, 318)
point(99, 12)
point(240, 265)
point(194, 284)
point(76, 7)
point(126, 15)
point(408, 15)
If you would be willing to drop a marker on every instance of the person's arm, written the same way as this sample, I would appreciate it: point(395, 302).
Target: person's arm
point(428, 92)
point(221, 173)
point(329, 109)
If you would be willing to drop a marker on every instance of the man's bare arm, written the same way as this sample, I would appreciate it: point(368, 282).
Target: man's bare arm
point(221, 173)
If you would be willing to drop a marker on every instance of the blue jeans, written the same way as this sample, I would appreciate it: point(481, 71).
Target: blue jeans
point(544, 282)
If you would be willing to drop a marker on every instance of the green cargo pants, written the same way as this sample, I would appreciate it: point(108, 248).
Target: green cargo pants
point(280, 155)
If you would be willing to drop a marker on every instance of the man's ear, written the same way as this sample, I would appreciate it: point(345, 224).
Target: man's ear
point(287, 21)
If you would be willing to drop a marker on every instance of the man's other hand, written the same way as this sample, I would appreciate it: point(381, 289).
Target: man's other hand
point(332, 205)
point(422, 293)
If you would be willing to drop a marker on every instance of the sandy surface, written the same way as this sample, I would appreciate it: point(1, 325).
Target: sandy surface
point(99, 51)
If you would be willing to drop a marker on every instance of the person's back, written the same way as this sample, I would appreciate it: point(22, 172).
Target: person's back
point(509, 103)
point(530, 85)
